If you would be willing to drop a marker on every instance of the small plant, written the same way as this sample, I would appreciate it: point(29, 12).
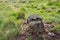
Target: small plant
point(56, 28)
point(30, 38)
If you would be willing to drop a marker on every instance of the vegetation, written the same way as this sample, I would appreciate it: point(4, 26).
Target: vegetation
point(12, 13)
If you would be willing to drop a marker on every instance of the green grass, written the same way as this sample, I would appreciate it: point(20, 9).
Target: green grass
point(11, 10)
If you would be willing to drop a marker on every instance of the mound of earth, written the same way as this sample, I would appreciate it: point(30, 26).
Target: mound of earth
point(37, 29)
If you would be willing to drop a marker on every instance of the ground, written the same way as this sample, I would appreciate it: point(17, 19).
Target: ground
point(11, 10)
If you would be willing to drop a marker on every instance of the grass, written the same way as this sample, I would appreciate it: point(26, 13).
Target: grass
point(11, 10)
